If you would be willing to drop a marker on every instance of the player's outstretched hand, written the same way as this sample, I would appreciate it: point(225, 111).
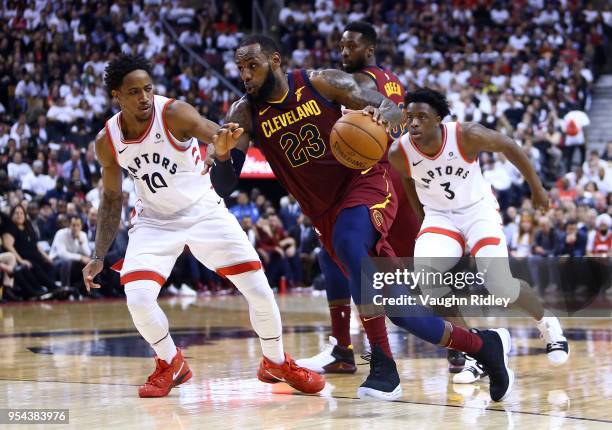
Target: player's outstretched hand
point(226, 139)
point(539, 198)
point(90, 271)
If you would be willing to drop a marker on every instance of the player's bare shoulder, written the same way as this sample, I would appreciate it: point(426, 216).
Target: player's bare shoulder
point(103, 148)
point(241, 112)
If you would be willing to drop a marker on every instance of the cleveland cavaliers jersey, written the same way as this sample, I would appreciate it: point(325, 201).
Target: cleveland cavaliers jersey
point(294, 134)
point(446, 180)
point(389, 86)
point(166, 171)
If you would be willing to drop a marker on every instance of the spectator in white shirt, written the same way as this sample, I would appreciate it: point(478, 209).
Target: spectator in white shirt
point(548, 16)
point(21, 129)
point(17, 169)
point(60, 112)
point(208, 83)
point(300, 54)
point(73, 99)
point(70, 251)
point(499, 15)
point(132, 27)
point(518, 41)
point(37, 182)
point(227, 41)
point(326, 27)
point(190, 37)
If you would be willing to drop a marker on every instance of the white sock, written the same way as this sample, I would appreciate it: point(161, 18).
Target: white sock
point(149, 318)
point(263, 311)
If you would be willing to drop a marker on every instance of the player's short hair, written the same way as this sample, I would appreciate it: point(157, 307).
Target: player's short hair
point(267, 44)
point(433, 98)
point(367, 31)
point(121, 66)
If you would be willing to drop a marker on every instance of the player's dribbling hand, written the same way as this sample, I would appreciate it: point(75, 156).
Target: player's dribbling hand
point(539, 198)
point(226, 139)
point(374, 112)
point(90, 271)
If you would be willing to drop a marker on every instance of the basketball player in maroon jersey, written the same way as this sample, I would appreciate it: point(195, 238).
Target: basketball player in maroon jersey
point(291, 117)
point(357, 48)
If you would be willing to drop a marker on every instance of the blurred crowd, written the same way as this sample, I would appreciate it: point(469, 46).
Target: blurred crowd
point(525, 68)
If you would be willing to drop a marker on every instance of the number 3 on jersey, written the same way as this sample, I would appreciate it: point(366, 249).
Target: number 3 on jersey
point(449, 194)
point(299, 149)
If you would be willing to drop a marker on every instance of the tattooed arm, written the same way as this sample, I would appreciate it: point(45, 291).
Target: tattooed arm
point(109, 213)
point(340, 87)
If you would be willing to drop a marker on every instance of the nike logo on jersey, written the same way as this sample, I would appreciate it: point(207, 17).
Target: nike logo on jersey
point(415, 164)
point(174, 375)
point(219, 201)
point(121, 151)
point(261, 112)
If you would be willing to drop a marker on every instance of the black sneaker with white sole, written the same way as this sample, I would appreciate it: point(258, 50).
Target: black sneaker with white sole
point(493, 356)
point(383, 382)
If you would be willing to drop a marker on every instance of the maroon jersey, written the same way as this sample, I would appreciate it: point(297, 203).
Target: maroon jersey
point(404, 230)
point(389, 86)
point(293, 134)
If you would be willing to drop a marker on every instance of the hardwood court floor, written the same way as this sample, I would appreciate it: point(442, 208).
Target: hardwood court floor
point(87, 357)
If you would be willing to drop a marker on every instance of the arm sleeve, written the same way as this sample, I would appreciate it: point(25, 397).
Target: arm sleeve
point(224, 174)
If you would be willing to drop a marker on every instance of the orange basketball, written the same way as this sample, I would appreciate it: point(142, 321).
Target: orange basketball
point(357, 141)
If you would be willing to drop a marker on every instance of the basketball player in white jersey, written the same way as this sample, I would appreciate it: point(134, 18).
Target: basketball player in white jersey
point(443, 181)
point(155, 140)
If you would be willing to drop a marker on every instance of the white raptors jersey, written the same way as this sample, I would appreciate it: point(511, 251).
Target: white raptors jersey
point(446, 180)
point(166, 171)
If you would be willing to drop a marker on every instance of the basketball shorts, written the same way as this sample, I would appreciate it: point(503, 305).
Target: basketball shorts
point(215, 238)
point(446, 235)
point(374, 190)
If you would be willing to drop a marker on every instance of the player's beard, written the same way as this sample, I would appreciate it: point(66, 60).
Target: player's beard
point(354, 67)
point(267, 87)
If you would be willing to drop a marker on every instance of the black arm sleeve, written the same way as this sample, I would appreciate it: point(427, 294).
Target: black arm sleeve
point(224, 174)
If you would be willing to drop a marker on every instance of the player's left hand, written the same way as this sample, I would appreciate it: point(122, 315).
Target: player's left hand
point(539, 198)
point(372, 111)
point(226, 139)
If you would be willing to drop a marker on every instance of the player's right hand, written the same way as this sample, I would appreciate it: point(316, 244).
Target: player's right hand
point(226, 139)
point(90, 271)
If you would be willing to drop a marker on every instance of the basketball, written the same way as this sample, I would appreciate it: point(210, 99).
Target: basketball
point(357, 141)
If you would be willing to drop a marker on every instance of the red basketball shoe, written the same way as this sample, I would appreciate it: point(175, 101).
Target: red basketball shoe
point(166, 376)
point(301, 379)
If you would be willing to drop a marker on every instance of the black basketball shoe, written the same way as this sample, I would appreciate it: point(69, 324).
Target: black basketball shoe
point(456, 360)
point(383, 382)
point(493, 356)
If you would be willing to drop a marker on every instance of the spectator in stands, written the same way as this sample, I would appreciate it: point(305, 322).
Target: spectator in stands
point(599, 241)
point(541, 265)
point(247, 226)
point(37, 182)
point(244, 207)
point(574, 127)
point(70, 252)
point(307, 243)
point(572, 241)
point(17, 169)
point(20, 239)
point(290, 212)
point(268, 245)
